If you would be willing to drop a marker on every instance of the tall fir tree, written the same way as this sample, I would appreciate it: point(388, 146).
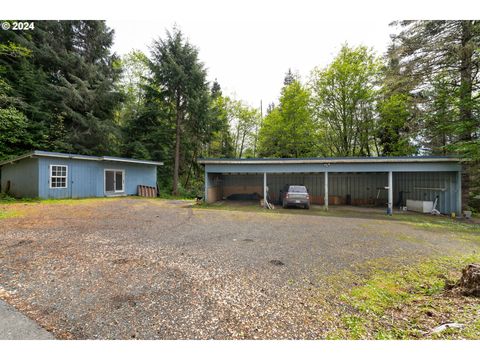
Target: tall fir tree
point(66, 84)
point(180, 78)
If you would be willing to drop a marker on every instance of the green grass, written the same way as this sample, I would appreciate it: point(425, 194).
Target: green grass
point(7, 199)
point(10, 200)
point(392, 305)
point(437, 223)
point(6, 214)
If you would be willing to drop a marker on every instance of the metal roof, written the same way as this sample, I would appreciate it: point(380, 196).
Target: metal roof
point(38, 153)
point(331, 160)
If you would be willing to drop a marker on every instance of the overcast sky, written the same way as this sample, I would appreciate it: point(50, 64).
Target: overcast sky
point(250, 57)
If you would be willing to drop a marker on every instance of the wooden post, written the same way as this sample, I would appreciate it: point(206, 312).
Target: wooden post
point(326, 190)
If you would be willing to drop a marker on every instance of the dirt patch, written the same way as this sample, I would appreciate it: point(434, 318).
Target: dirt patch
point(22, 243)
point(120, 261)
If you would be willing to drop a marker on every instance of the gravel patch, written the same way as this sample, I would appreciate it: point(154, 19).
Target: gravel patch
point(149, 269)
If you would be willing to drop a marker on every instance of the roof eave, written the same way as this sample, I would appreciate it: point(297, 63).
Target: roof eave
point(18, 158)
point(325, 161)
point(38, 153)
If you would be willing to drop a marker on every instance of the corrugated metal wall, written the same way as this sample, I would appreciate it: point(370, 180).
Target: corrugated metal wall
point(413, 182)
point(360, 186)
point(364, 188)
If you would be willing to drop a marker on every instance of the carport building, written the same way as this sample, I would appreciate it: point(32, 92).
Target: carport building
point(338, 181)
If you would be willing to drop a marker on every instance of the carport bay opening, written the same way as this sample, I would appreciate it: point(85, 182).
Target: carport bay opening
point(382, 181)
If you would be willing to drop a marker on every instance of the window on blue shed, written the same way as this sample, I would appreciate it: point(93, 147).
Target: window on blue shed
point(58, 176)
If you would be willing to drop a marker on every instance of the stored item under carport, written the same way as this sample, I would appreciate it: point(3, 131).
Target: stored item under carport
point(424, 207)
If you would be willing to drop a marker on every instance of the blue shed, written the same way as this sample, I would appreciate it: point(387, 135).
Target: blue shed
point(392, 181)
point(45, 174)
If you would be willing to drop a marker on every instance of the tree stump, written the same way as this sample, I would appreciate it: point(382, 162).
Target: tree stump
point(469, 283)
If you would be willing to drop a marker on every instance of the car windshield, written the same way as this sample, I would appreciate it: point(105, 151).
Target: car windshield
point(298, 189)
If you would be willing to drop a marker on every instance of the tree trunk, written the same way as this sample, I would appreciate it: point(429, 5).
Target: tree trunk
point(237, 137)
point(241, 147)
point(466, 69)
point(176, 165)
point(190, 171)
point(466, 103)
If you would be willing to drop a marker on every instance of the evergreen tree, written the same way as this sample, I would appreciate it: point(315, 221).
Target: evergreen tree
point(66, 84)
point(180, 79)
point(442, 61)
point(220, 144)
point(448, 49)
point(290, 77)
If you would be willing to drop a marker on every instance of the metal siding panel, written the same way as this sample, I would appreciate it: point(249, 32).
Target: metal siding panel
point(83, 176)
point(44, 179)
point(412, 181)
point(23, 177)
point(86, 178)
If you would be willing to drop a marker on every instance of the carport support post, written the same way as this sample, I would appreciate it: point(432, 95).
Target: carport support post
point(459, 194)
point(390, 194)
point(205, 197)
point(326, 191)
point(265, 189)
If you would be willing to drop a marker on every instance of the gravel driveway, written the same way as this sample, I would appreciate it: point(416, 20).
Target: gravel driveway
point(155, 269)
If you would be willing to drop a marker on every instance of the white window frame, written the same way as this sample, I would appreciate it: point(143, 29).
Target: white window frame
point(115, 181)
point(56, 176)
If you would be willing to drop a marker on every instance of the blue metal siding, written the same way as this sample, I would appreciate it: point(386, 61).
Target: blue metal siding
point(86, 178)
point(23, 177)
point(44, 179)
point(135, 174)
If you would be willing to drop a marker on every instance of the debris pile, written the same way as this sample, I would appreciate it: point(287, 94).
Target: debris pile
point(469, 283)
